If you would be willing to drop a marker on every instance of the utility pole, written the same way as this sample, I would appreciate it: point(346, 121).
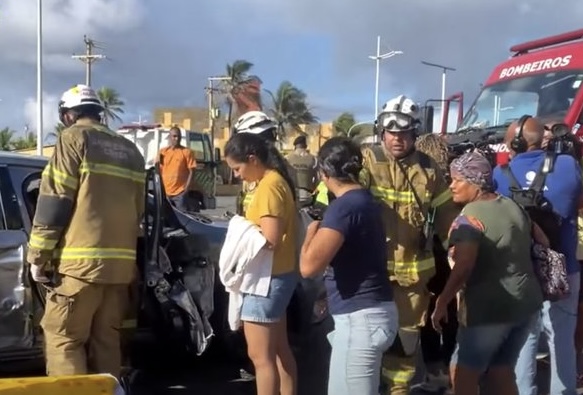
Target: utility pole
point(89, 58)
point(212, 110)
point(39, 78)
point(377, 58)
point(444, 71)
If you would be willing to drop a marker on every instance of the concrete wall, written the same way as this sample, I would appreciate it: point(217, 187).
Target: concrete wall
point(196, 119)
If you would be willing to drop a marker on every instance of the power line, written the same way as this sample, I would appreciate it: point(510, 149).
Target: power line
point(89, 58)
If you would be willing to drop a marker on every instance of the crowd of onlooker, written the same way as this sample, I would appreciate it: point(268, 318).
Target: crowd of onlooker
point(506, 273)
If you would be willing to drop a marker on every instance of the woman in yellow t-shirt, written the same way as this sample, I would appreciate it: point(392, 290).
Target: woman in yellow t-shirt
point(273, 209)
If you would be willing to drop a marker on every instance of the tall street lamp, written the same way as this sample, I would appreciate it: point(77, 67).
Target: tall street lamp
point(444, 71)
point(39, 78)
point(377, 58)
point(359, 124)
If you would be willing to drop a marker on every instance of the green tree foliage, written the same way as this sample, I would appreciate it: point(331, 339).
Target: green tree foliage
point(112, 104)
point(343, 123)
point(290, 108)
point(238, 73)
point(6, 139)
point(25, 142)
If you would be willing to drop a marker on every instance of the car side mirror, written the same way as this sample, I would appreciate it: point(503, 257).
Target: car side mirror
point(217, 155)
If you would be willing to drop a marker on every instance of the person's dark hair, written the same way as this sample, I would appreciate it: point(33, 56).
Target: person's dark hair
point(242, 145)
point(269, 135)
point(340, 158)
point(175, 128)
point(87, 111)
point(301, 142)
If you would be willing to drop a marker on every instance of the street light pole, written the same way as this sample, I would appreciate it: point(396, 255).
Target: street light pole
point(377, 58)
point(39, 79)
point(358, 124)
point(444, 71)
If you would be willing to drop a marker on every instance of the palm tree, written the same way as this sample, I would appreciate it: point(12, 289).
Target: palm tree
point(6, 136)
point(59, 127)
point(343, 123)
point(290, 108)
point(28, 141)
point(112, 104)
point(238, 73)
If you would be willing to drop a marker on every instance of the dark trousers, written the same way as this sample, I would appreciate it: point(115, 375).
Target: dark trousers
point(438, 348)
point(180, 201)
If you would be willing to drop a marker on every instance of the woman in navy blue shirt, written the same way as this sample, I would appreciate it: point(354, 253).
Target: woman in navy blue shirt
point(349, 245)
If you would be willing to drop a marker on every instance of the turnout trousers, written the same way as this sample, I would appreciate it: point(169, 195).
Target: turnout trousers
point(399, 362)
point(81, 327)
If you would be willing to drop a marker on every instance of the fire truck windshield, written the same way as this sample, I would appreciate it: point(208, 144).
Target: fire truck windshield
point(546, 94)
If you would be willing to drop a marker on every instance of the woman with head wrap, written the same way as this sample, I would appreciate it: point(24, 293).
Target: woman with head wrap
point(499, 295)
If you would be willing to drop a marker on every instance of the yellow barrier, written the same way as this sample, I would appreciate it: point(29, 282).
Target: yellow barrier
point(95, 384)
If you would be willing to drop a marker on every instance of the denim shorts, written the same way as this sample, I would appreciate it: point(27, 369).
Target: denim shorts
point(270, 308)
point(483, 346)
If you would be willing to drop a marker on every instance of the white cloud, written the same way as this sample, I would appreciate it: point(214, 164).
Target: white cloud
point(50, 113)
point(64, 24)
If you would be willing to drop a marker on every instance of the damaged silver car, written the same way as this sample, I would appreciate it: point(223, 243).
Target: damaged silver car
point(179, 302)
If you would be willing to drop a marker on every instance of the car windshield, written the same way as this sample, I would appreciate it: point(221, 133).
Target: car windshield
point(200, 146)
point(542, 95)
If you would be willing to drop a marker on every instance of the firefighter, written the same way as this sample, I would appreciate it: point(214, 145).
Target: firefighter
point(417, 204)
point(305, 165)
point(83, 241)
point(256, 122)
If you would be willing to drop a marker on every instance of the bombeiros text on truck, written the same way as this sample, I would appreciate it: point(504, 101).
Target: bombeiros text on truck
point(541, 78)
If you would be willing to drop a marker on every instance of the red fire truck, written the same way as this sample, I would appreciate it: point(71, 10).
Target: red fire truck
point(541, 78)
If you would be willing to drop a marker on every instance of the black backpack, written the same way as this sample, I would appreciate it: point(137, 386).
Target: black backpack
point(535, 203)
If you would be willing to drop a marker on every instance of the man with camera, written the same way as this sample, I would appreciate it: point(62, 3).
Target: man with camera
point(548, 184)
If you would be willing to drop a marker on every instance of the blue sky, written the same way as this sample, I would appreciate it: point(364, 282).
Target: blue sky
point(162, 51)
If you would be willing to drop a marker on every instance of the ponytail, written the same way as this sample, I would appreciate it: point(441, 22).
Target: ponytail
point(277, 162)
point(241, 145)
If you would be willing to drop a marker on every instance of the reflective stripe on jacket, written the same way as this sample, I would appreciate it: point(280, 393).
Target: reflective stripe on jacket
point(404, 218)
point(90, 205)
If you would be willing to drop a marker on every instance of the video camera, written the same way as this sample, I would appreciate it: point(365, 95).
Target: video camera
point(481, 145)
point(563, 141)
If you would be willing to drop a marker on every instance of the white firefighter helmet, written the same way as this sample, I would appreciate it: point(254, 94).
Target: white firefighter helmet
point(254, 122)
point(78, 96)
point(398, 115)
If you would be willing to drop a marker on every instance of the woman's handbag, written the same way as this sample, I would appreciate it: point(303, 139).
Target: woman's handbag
point(551, 269)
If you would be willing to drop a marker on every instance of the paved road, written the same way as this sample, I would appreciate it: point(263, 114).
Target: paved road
point(215, 374)
point(224, 203)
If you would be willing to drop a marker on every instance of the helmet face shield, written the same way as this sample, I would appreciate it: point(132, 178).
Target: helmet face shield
point(395, 122)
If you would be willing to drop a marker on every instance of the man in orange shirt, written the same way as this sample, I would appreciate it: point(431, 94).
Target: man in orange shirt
point(177, 164)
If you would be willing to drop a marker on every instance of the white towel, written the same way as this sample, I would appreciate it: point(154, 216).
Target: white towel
point(244, 265)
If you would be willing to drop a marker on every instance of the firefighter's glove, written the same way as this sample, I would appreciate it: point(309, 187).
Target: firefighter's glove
point(38, 257)
point(38, 274)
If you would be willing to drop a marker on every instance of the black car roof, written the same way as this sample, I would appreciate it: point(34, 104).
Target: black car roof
point(16, 159)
